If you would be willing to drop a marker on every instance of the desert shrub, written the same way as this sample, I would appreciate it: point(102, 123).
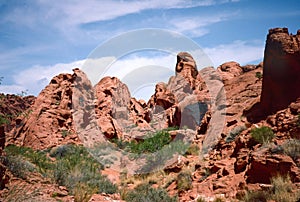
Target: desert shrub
point(83, 193)
point(18, 166)
point(193, 150)
point(219, 199)
point(145, 193)
point(73, 168)
point(76, 166)
point(4, 120)
point(280, 191)
point(262, 135)
point(65, 133)
point(157, 160)
point(201, 199)
point(258, 75)
point(292, 148)
point(184, 181)
point(234, 132)
point(38, 158)
point(20, 192)
point(151, 144)
point(256, 196)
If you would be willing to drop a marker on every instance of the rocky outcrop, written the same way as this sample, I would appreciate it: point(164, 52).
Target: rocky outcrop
point(13, 108)
point(187, 68)
point(50, 120)
point(263, 167)
point(113, 99)
point(117, 113)
point(281, 76)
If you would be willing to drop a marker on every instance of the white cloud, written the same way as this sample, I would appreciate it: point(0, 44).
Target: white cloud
point(12, 89)
point(78, 12)
point(34, 79)
point(242, 52)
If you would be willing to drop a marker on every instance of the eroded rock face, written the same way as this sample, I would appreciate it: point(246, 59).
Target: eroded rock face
point(230, 70)
point(182, 98)
point(186, 67)
point(281, 76)
point(263, 167)
point(50, 120)
point(113, 99)
point(118, 113)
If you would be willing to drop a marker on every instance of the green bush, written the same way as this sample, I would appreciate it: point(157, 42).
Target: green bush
point(146, 193)
point(184, 181)
point(262, 135)
point(73, 167)
point(151, 144)
point(38, 158)
point(258, 75)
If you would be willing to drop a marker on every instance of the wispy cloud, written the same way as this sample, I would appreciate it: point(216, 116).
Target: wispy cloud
point(77, 12)
point(196, 26)
point(243, 52)
point(34, 79)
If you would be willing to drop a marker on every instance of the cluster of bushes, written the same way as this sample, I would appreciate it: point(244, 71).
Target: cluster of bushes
point(73, 167)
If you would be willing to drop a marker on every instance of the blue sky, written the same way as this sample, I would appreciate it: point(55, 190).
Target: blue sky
point(40, 39)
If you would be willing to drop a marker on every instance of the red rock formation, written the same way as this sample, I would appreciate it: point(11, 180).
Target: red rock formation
point(113, 99)
point(281, 75)
point(265, 166)
point(187, 68)
point(50, 120)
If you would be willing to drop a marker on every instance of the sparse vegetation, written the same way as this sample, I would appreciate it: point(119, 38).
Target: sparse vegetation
point(184, 181)
point(20, 192)
point(292, 148)
point(262, 135)
point(258, 75)
point(18, 166)
point(235, 132)
point(73, 167)
point(280, 191)
point(4, 120)
point(65, 133)
point(145, 192)
point(219, 199)
point(193, 150)
point(157, 160)
point(201, 199)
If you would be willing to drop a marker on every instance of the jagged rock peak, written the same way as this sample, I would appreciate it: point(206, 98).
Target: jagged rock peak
point(186, 67)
